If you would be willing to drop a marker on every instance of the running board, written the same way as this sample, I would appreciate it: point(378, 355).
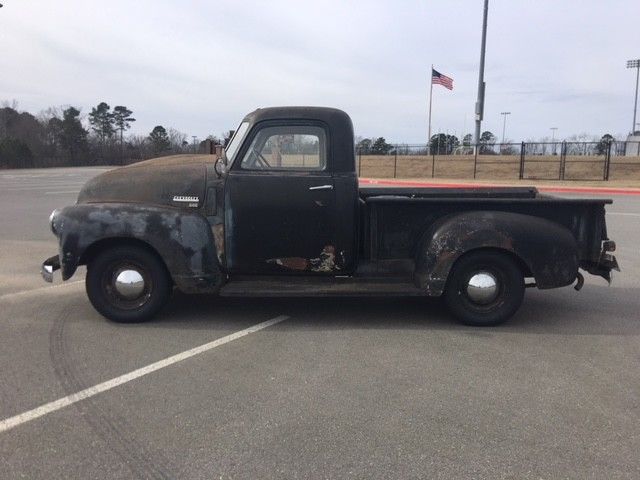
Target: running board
point(318, 287)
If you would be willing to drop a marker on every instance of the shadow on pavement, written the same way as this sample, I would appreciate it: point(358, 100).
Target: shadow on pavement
point(596, 310)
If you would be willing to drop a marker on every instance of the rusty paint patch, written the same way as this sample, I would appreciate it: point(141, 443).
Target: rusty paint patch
point(326, 262)
point(218, 238)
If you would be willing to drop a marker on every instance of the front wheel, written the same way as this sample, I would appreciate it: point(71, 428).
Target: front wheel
point(127, 284)
point(484, 288)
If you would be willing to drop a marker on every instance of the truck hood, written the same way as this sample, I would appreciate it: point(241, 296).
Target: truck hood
point(178, 181)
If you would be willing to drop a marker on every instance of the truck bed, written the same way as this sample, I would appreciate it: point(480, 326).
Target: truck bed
point(396, 219)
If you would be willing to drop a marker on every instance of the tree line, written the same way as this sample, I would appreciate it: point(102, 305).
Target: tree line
point(440, 144)
point(445, 144)
point(63, 137)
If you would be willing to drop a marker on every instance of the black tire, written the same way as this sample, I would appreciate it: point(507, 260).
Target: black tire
point(509, 291)
point(104, 296)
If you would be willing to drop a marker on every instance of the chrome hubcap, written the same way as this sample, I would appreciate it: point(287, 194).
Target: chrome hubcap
point(482, 288)
point(129, 284)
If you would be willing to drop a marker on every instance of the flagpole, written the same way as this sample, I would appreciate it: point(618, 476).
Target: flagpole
point(430, 95)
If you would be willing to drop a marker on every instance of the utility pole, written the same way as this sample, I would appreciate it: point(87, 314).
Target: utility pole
point(635, 64)
point(430, 95)
point(504, 123)
point(481, 84)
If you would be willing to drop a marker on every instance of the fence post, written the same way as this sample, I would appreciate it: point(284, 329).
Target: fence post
point(475, 161)
point(433, 162)
point(607, 162)
point(395, 162)
point(522, 147)
point(563, 159)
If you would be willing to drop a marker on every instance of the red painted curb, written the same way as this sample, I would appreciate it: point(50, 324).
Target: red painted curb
point(593, 190)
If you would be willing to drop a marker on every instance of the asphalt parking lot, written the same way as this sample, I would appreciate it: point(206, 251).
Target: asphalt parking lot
point(340, 388)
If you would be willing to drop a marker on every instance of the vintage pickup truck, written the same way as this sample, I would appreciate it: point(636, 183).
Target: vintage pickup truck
point(281, 213)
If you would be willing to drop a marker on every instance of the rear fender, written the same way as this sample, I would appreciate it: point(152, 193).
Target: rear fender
point(547, 250)
point(183, 240)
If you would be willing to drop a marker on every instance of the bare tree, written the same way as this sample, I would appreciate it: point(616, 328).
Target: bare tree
point(177, 140)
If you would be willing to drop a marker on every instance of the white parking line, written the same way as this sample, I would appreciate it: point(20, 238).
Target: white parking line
point(44, 187)
point(50, 407)
point(624, 214)
point(39, 289)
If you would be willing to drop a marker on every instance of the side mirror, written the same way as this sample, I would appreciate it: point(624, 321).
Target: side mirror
point(220, 167)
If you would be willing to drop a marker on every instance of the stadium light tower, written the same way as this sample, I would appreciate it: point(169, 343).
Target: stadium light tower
point(504, 123)
point(635, 64)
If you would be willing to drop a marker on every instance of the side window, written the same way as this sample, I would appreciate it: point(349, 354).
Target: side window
point(287, 147)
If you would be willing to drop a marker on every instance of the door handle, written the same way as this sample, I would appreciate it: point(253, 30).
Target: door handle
point(322, 187)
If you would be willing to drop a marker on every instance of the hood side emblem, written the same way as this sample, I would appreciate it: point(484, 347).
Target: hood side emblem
point(190, 199)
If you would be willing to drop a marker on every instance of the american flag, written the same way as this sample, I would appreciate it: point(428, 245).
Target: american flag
point(439, 79)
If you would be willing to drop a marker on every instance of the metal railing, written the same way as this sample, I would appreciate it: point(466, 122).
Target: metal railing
point(564, 161)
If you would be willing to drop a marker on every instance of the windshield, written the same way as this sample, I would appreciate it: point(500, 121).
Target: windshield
point(236, 141)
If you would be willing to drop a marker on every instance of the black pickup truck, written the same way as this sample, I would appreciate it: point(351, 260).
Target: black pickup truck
point(281, 214)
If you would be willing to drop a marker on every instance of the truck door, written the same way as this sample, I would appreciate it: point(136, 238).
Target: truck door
point(280, 202)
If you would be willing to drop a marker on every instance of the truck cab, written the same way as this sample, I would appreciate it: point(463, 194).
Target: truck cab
point(291, 194)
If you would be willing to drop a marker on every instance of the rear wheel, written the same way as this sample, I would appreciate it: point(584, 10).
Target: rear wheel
point(484, 288)
point(127, 284)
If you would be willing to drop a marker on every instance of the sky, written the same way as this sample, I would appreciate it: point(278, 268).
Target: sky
point(200, 66)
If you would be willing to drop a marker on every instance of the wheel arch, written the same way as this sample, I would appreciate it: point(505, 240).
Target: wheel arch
point(99, 246)
point(518, 260)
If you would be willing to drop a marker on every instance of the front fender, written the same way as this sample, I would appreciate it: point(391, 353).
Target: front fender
point(548, 250)
point(184, 240)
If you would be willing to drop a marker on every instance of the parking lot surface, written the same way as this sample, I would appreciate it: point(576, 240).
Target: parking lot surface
point(334, 388)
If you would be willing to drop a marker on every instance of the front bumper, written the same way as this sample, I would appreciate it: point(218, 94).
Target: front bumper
point(49, 266)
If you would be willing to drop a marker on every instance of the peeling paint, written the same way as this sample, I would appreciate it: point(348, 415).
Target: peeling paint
point(325, 262)
point(218, 237)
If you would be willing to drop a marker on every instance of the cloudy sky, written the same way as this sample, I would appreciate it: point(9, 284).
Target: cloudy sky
point(199, 66)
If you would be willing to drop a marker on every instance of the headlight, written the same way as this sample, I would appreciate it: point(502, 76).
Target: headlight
point(52, 219)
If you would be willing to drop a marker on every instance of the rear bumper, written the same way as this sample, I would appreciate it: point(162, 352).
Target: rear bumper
point(606, 262)
point(609, 261)
point(49, 266)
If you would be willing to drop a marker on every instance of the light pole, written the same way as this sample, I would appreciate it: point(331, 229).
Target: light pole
point(504, 123)
point(481, 84)
point(553, 138)
point(635, 64)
